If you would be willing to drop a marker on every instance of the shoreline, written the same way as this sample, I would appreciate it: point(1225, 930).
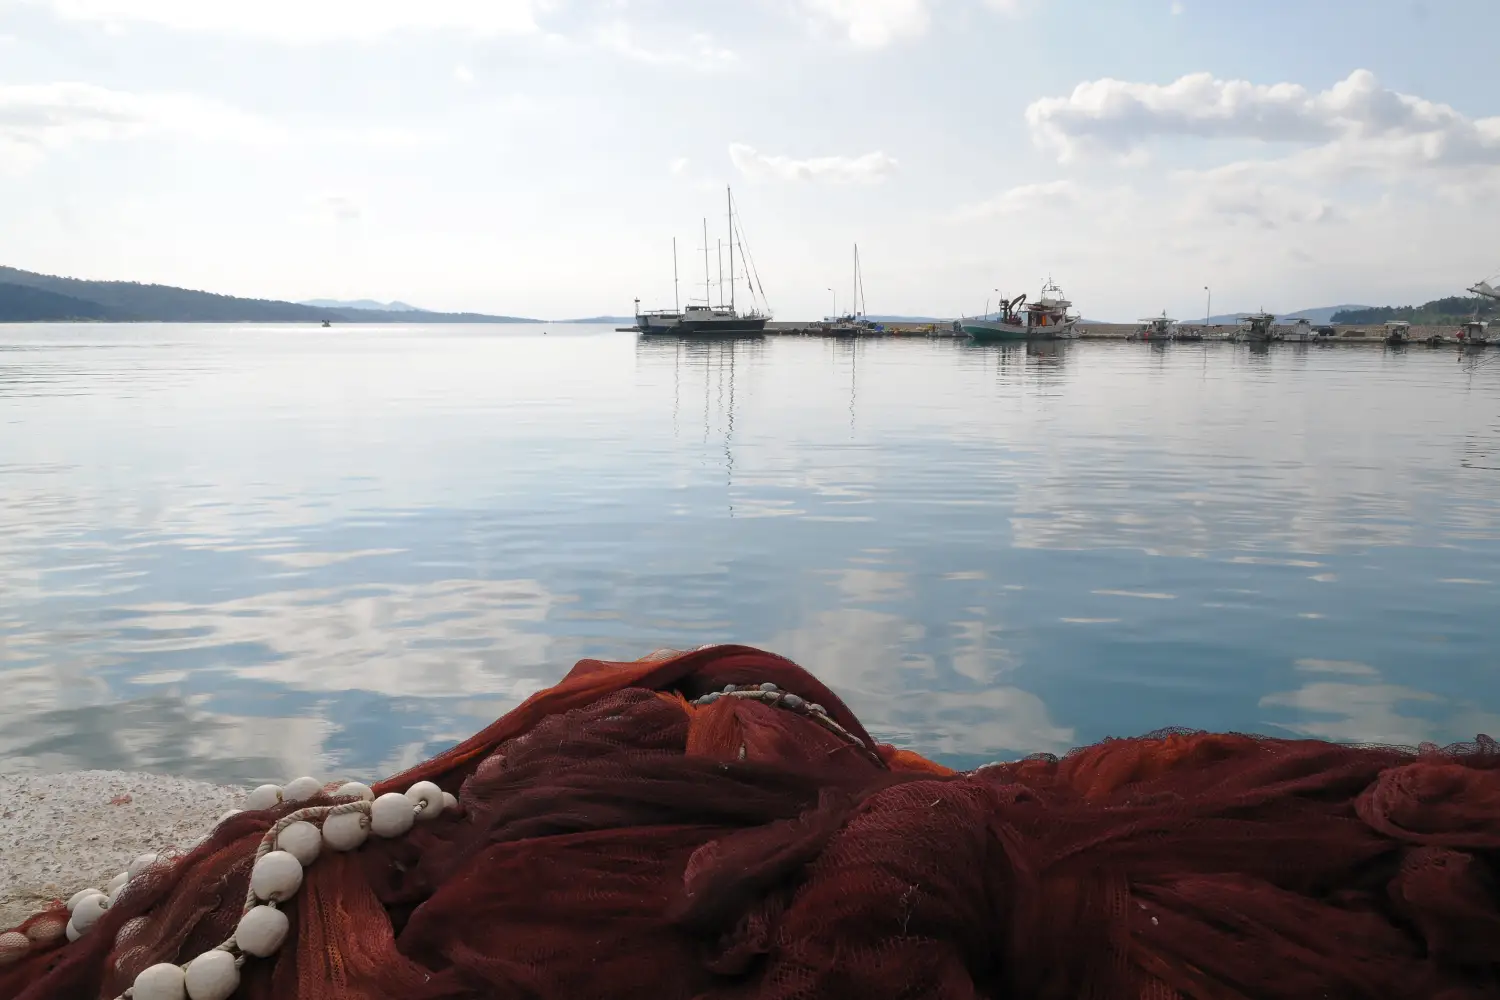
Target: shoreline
point(60, 833)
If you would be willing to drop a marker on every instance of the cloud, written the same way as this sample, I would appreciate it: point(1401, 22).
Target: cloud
point(873, 24)
point(698, 51)
point(1053, 196)
point(679, 166)
point(1356, 122)
point(463, 74)
point(295, 21)
point(869, 168)
point(339, 208)
point(1177, 7)
point(35, 118)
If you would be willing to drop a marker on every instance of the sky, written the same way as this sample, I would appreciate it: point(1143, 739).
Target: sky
point(538, 157)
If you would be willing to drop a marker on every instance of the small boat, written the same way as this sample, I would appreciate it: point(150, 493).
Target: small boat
point(1156, 328)
point(1397, 332)
point(854, 323)
point(327, 323)
point(1474, 333)
point(1301, 333)
point(1257, 328)
point(1045, 319)
point(708, 319)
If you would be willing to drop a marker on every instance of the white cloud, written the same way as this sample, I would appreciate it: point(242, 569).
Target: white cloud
point(869, 168)
point(1051, 196)
point(698, 51)
point(35, 118)
point(679, 166)
point(463, 74)
point(873, 23)
point(1356, 122)
point(1177, 7)
point(299, 21)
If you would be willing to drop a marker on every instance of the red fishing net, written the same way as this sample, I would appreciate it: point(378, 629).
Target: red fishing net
point(615, 839)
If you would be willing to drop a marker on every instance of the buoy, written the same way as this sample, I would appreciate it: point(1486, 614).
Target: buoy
point(354, 790)
point(160, 982)
point(427, 795)
point(301, 789)
point(302, 841)
point(261, 931)
point(264, 797)
point(141, 863)
point(80, 896)
point(276, 876)
point(391, 815)
point(346, 831)
point(88, 911)
point(212, 976)
point(13, 947)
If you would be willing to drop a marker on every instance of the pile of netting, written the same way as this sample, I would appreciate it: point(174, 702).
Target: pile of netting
point(631, 833)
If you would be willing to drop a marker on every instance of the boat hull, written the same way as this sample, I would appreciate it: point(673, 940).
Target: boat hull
point(686, 327)
point(987, 329)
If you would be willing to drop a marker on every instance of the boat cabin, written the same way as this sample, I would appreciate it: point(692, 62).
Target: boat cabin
point(1397, 331)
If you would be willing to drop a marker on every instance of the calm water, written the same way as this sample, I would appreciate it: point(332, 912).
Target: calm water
point(244, 553)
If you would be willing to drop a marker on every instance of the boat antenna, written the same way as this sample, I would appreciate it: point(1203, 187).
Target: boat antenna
point(676, 295)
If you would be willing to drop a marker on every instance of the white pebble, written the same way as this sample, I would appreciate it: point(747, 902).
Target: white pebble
point(88, 911)
point(47, 930)
point(141, 863)
point(276, 876)
point(261, 931)
point(429, 797)
point(264, 797)
point(160, 982)
point(354, 790)
point(116, 882)
point(450, 802)
point(13, 947)
point(346, 831)
point(73, 933)
point(391, 815)
point(212, 976)
point(301, 789)
point(80, 896)
point(301, 840)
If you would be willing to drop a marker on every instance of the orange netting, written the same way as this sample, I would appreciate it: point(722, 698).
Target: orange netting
point(617, 840)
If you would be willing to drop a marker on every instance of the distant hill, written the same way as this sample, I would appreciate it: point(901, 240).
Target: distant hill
point(23, 304)
point(29, 297)
point(1320, 315)
point(369, 304)
point(1453, 309)
point(610, 320)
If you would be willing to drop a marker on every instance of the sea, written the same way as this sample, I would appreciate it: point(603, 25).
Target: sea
point(244, 553)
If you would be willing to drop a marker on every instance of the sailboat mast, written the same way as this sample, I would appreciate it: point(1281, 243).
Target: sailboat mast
point(854, 280)
point(729, 199)
point(676, 296)
point(721, 274)
point(708, 298)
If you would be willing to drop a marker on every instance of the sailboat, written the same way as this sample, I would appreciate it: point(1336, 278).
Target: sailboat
point(855, 322)
point(709, 319)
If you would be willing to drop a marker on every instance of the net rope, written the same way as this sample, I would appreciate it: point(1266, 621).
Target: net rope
point(633, 832)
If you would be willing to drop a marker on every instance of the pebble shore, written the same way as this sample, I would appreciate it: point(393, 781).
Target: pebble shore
point(60, 833)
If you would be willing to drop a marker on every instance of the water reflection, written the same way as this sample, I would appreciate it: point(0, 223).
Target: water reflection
point(243, 556)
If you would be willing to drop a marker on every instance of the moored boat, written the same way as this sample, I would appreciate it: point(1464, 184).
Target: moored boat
point(1156, 328)
point(1045, 319)
point(708, 319)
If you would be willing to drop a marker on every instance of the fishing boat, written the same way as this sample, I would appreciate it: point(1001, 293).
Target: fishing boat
point(1045, 319)
point(1397, 332)
point(1257, 328)
point(707, 319)
point(1302, 332)
point(1156, 328)
point(1474, 333)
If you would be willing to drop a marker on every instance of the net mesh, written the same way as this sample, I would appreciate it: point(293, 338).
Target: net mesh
point(616, 840)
